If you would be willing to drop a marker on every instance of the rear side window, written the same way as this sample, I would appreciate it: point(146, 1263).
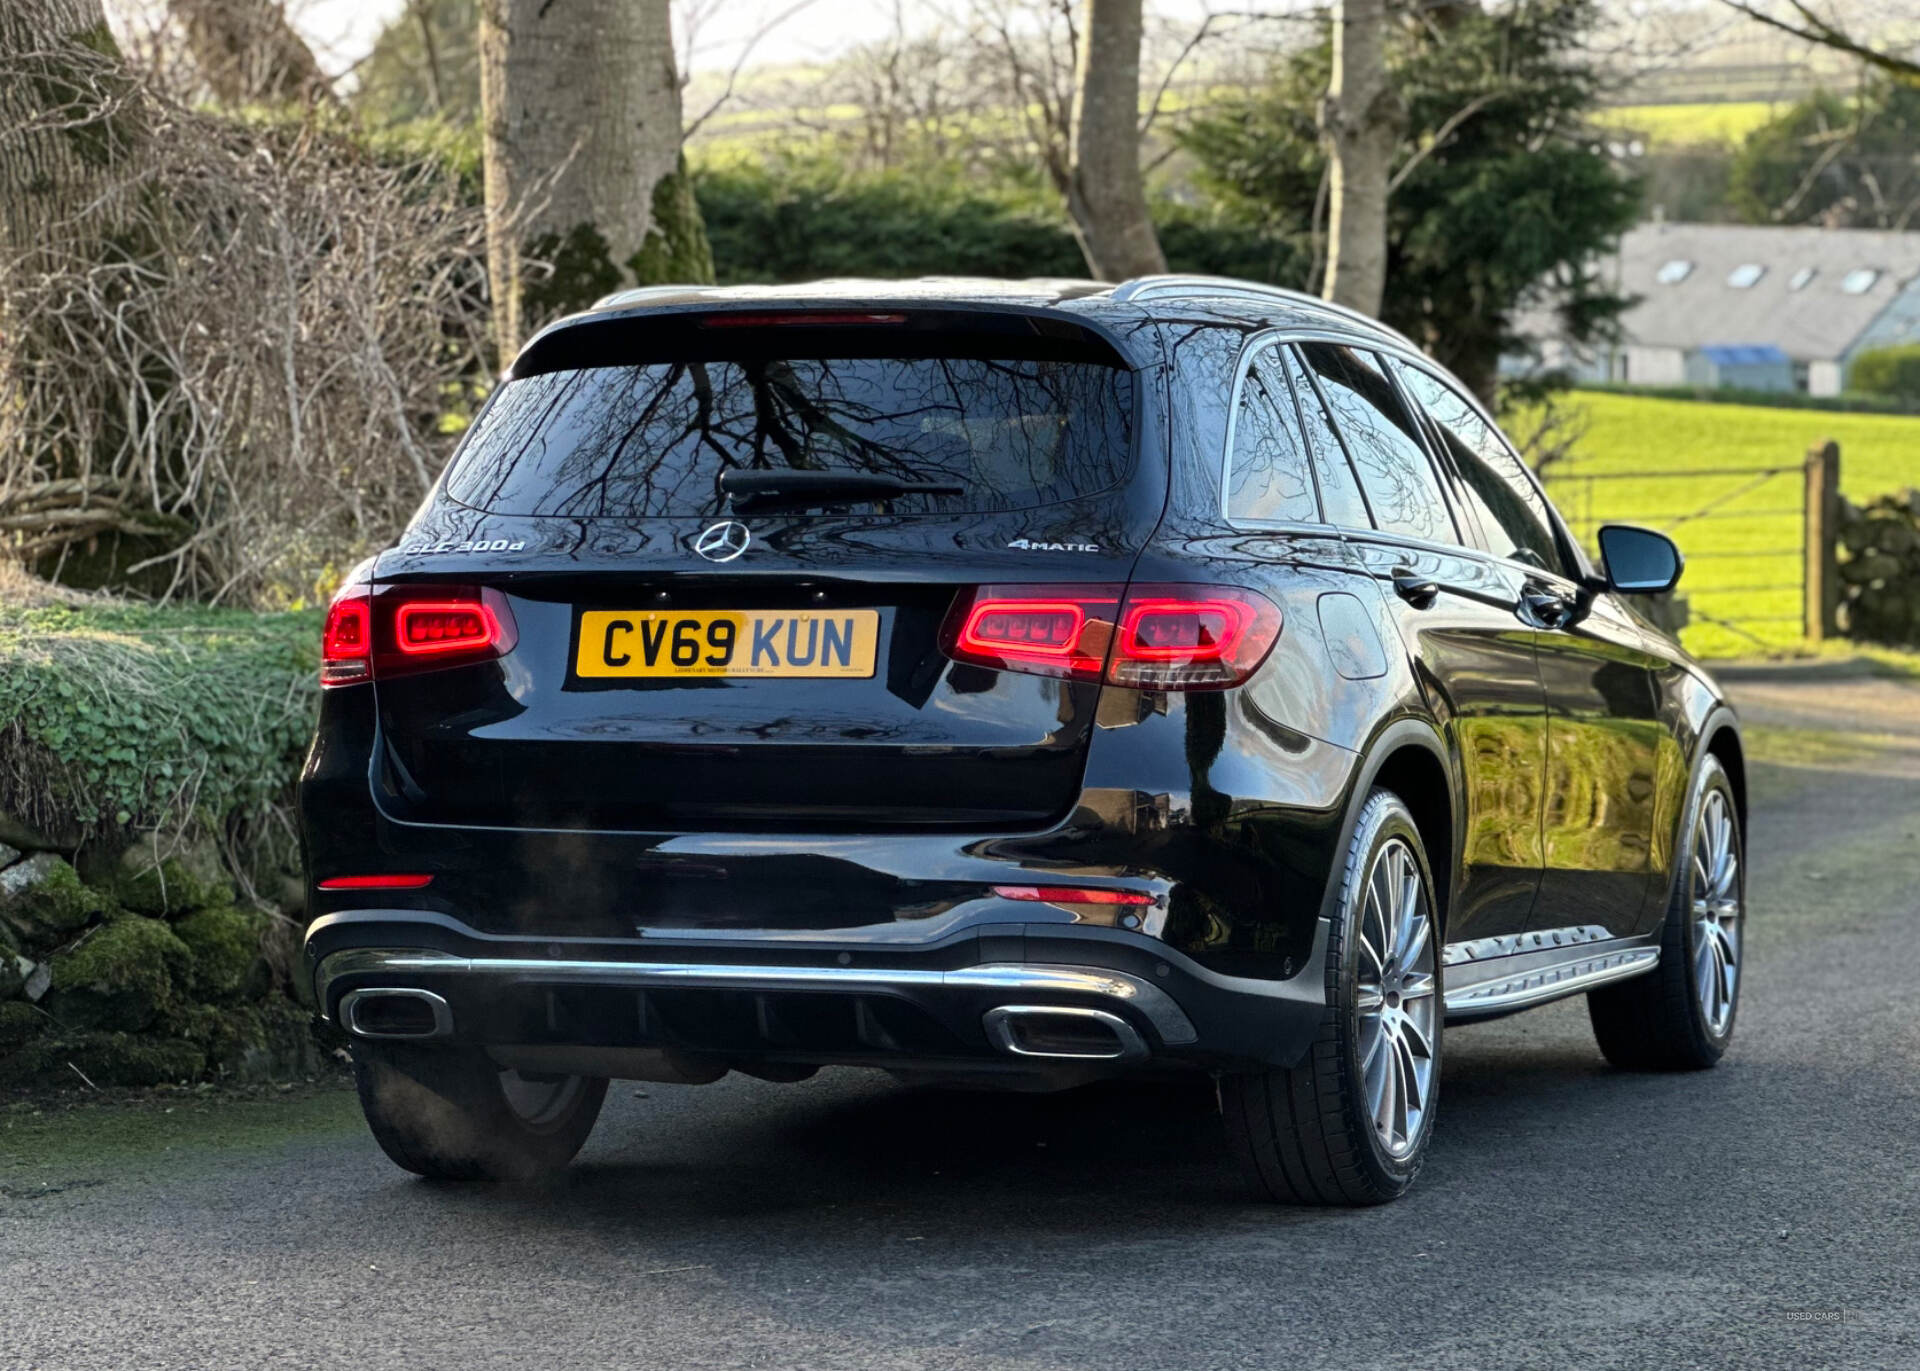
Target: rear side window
point(652, 439)
point(1511, 509)
point(1340, 496)
point(1267, 477)
point(1402, 487)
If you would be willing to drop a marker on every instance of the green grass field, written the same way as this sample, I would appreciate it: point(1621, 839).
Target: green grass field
point(1675, 464)
point(1672, 126)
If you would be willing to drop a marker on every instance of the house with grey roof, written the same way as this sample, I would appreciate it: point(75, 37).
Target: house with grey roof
point(1756, 307)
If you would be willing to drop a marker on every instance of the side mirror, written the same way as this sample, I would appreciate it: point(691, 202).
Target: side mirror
point(1639, 561)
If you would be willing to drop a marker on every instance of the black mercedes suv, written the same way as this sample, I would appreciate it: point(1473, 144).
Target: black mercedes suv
point(1002, 684)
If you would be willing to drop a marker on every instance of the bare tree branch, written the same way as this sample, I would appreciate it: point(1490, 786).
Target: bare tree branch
point(1812, 28)
point(693, 125)
point(237, 353)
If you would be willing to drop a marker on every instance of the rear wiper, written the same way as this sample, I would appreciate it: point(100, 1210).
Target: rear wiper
point(748, 490)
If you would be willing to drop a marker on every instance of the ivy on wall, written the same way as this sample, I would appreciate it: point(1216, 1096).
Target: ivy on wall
point(151, 719)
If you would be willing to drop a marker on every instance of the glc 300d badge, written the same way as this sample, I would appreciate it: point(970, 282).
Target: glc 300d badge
point(722, 542)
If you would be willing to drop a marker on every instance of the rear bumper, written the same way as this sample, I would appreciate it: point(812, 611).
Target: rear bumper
point(941, 1005)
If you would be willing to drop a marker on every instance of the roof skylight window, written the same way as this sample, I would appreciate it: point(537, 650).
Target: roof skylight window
point(1674, 272)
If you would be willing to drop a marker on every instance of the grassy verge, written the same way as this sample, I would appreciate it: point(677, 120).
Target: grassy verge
point(77, 1140)
point(1742, 534)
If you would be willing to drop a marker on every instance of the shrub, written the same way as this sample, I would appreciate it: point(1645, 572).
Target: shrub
point(796, 221)
point(800, 219)
point(117, 719)
point(1893, 372)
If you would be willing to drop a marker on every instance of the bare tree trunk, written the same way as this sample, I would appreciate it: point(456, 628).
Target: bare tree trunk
point(1105, 193)
point(54, 149)
point(247, 53)
point(586, 186)
point(1361, 117)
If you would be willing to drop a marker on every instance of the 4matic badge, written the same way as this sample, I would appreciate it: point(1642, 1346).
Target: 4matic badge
point(1029, 545)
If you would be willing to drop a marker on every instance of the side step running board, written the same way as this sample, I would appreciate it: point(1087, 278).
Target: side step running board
point(1485, 979)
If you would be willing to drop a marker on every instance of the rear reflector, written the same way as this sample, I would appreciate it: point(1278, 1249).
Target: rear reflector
point(401, 630)
point(408, 881)
point(1072, 894)
point(1168, 637)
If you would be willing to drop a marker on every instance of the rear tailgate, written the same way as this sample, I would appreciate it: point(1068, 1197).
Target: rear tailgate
point(799, 684)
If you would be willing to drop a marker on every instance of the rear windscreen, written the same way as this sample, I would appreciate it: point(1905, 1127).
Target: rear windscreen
point(651, 439)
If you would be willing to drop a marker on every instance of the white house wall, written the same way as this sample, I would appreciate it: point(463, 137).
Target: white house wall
point(1653, 366)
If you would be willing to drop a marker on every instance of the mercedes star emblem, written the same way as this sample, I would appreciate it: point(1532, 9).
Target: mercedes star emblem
point(722, 542)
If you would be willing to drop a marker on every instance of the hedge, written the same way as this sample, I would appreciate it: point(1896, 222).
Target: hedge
point(118, 720)
point(1891, 372)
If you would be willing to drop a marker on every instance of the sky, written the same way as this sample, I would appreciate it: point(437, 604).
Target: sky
point(808, 31)
point(340, 31)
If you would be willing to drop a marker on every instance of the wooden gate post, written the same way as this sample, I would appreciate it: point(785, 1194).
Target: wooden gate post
point(1823, 542)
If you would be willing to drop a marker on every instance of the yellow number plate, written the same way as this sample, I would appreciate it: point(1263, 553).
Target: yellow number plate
point(750, 642)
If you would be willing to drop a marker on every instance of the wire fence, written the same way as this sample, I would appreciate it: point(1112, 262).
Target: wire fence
point(1743, 531)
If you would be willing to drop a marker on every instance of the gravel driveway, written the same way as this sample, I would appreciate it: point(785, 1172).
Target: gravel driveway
point(1763, 1214)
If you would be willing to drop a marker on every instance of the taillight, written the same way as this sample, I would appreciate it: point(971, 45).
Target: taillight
point(407, 629)
point(1151, 637)
point(1045, 630)
point(1192, 637)
point(346, 645)
point(436, 628)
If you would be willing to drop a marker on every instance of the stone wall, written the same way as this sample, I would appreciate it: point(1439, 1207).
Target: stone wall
point(1880, 569)
point(145, 973)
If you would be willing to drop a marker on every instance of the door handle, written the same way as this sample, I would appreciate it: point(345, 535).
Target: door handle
point(1539, 607)
point(1417, 590)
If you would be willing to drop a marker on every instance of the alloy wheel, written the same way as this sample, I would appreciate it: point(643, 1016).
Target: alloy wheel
point(1715, 892)
point(539, 1101)
point(1395, 998)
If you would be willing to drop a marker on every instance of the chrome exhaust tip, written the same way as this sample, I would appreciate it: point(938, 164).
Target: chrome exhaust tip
point(396, 1013)
point(1063, 1033)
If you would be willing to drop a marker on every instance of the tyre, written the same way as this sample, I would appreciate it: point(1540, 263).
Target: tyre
point(1679, 1016)
point(451, 1113)
point(1349, 1125)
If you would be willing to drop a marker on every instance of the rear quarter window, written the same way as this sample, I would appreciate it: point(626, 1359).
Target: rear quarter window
point(1267, 477)
point(651, 439)
point(1381, 438)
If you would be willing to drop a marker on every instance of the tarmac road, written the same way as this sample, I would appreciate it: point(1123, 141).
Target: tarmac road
point(1759, 1215)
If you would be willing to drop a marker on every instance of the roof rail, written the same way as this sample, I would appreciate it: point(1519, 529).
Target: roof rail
point(1178, 287)
point(634, 295)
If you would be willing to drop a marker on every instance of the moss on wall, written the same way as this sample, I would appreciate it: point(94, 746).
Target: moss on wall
point(676, 248)
point(121, 977)
point(225, 943)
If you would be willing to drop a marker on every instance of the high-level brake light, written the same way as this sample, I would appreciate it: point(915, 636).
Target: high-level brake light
point(1152, 637)
point(801, 319)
